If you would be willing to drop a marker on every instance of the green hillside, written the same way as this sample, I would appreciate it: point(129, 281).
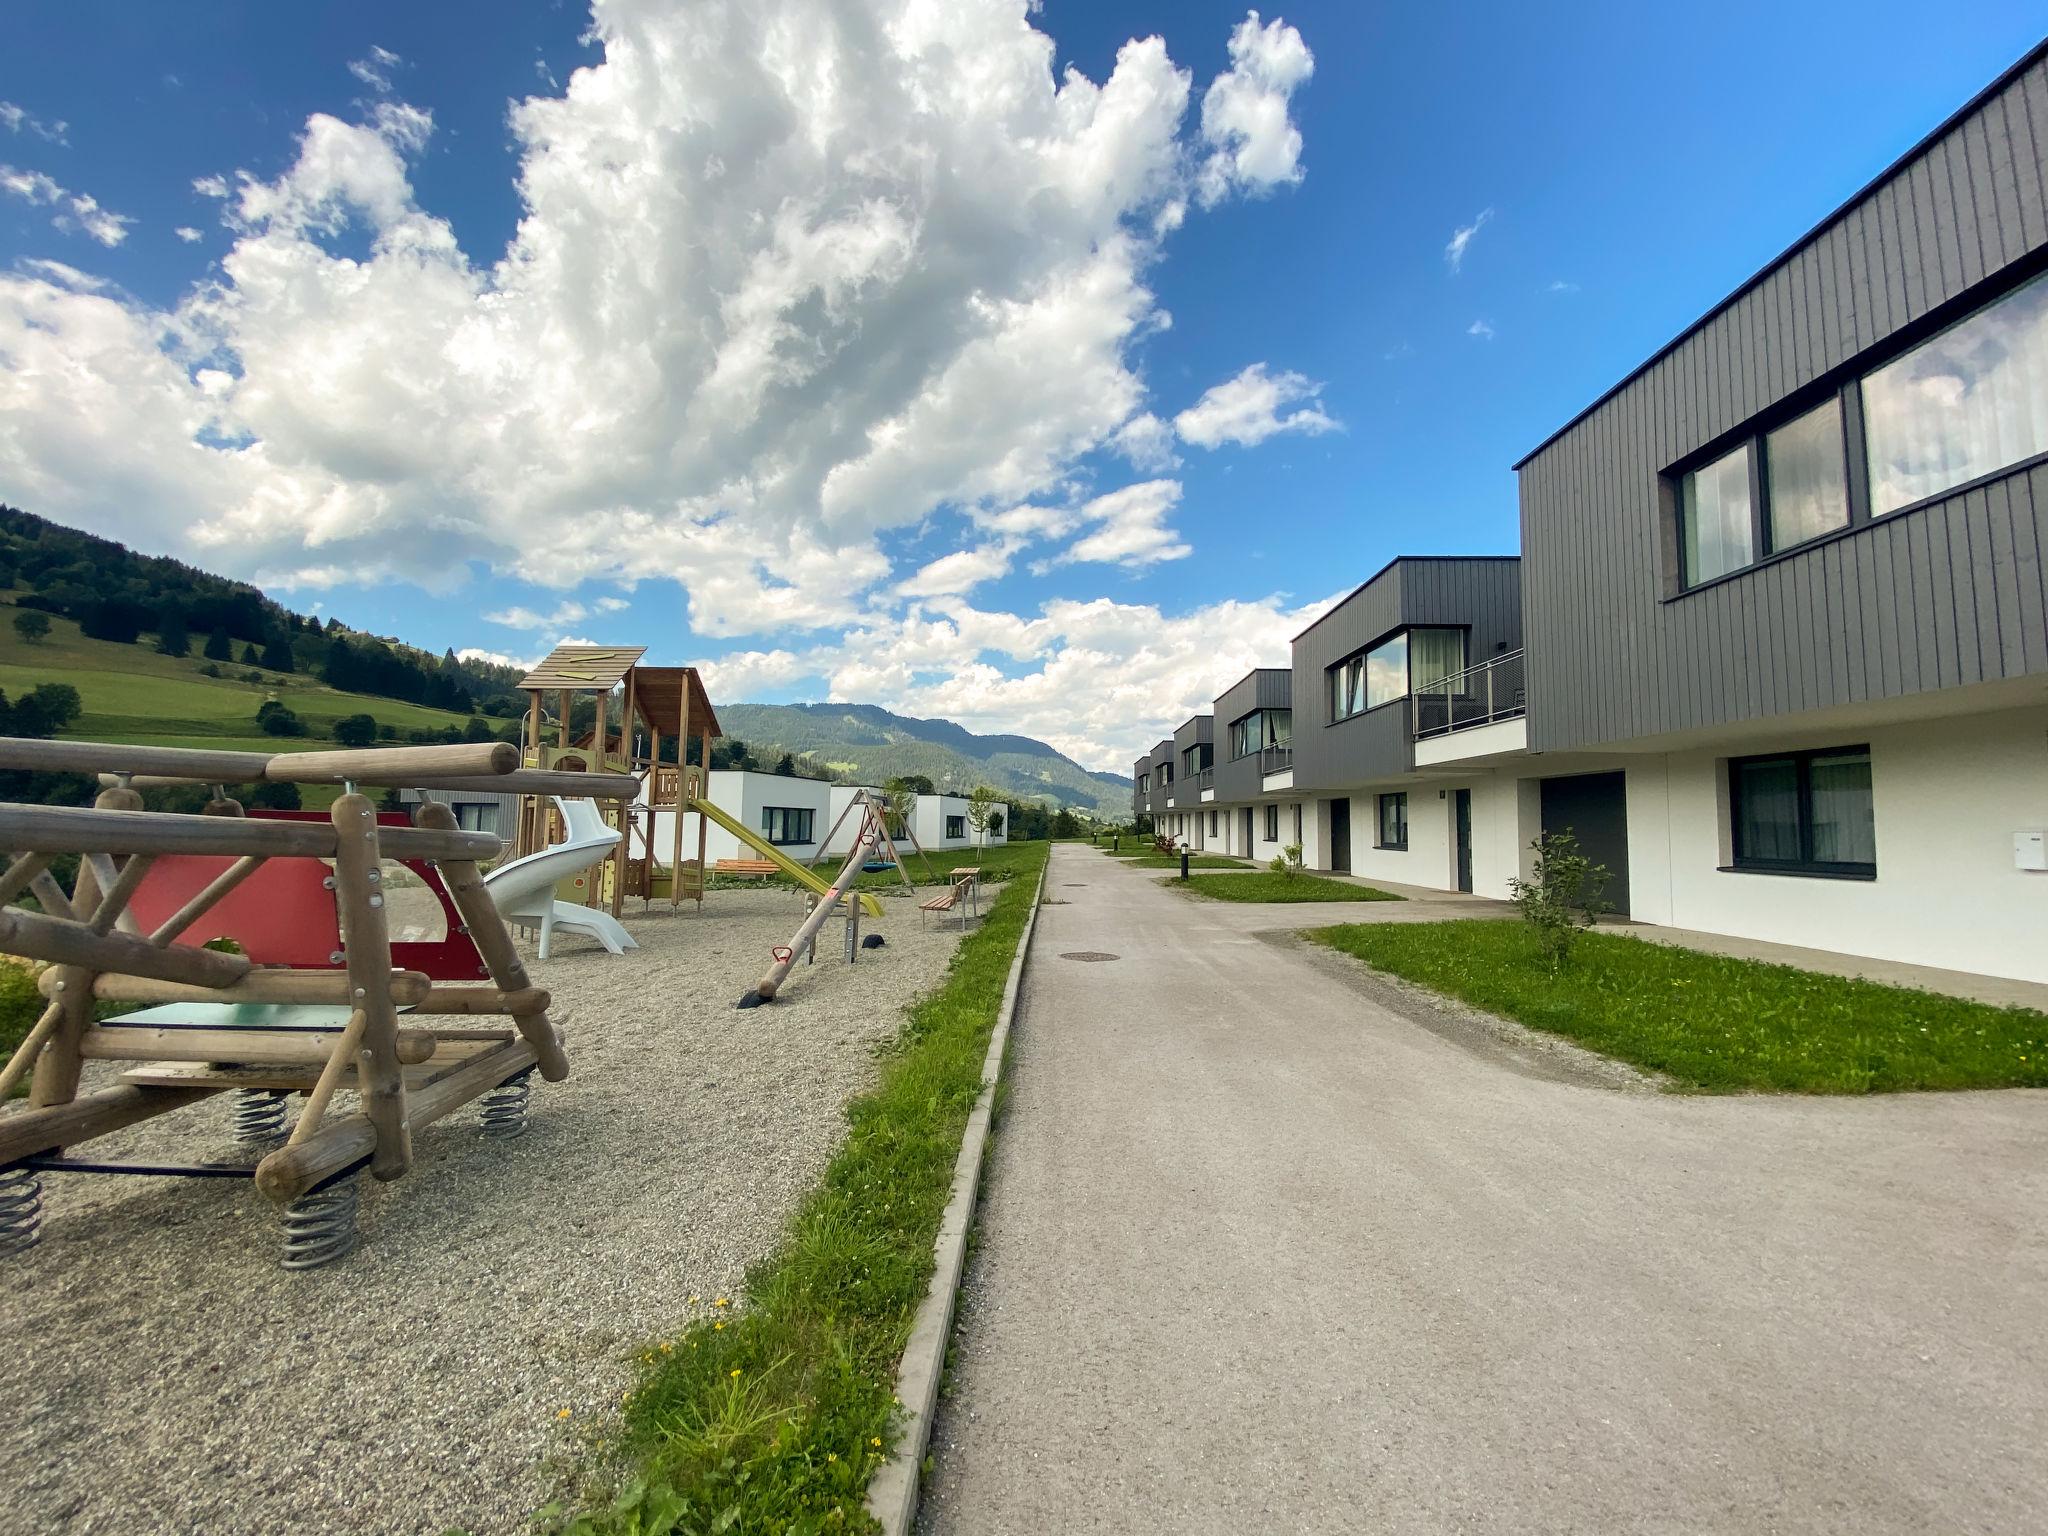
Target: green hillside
point(132, 694)
point(863, 741)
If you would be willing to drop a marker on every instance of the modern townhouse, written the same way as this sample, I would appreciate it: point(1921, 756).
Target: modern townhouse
point(1782, 593)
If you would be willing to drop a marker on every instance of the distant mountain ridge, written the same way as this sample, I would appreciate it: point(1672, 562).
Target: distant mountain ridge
point(867, 742)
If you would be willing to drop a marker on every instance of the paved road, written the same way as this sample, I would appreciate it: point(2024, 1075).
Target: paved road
point(1261, 1254)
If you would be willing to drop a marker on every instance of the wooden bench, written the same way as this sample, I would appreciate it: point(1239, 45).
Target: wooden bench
point(947, 900)
point(759, 868)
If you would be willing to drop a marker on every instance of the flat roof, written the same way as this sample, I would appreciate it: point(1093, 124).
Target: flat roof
point(1376, 575)
point(1947, 125)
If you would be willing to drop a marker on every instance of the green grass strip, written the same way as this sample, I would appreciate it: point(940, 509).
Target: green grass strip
point(1263, 885)
point(773, 1419)
point(1712, 1023)
point(1195, 861)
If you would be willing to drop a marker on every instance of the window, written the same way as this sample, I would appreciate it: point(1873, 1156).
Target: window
point(1273, 822)
point(476, 817)
point(1260, 729)
point(784, 824)
point(1212, 823)
point(1394, 820)
point(1715, 518)
point(1806, 476)
point(1381, 675)
point(1165, 774)
point(1196, 758)
point(956, 826)
point(1144, 783)
point(1804, 813)
point(1961, 405)
point(1966, 403)
point(1297, 827)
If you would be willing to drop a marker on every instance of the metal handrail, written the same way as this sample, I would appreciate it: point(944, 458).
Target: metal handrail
point(1276, 759)
point(1492, 691)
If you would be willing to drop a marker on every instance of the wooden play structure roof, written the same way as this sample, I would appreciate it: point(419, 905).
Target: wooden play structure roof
point(584, 668)
point(659, 692)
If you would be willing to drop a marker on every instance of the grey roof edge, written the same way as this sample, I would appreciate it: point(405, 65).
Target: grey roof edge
point(1376, 575)
point(2027, 61)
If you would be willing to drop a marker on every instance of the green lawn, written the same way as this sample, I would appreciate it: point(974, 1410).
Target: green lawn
point(131, 694)
point(997, 863)
point(1195, 861)
point(772, 1415)
point(1264, 885)
point(1712, 1023)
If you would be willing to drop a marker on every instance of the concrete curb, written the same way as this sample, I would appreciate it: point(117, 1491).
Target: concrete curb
point(892, 1492)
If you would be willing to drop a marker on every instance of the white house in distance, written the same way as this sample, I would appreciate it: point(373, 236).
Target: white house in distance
point(790, 813)
point(939, 821)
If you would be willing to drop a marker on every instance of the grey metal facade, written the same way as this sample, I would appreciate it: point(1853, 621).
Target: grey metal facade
point(1187, 787)
point(1141, 770)
point(1944, 594)
point(1239, 779)
point(1161, 796)
point(1480, 594)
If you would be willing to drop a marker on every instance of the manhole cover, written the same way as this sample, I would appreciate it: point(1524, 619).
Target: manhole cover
point(1087, 954)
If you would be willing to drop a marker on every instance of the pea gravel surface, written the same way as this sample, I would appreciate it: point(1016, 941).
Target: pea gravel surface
point(164, 1375)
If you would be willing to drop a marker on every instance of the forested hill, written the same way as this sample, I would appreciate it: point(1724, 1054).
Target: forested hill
point(870, 744)
point(115, 594)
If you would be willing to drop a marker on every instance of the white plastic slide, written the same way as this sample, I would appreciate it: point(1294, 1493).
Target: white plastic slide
point(525, 889)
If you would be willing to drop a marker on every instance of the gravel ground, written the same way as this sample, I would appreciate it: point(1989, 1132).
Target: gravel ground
point(166, 1376)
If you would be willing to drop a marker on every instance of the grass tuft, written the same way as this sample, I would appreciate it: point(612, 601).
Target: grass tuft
point(1713, 1023)
point(772, 1417)
point(1263, 885)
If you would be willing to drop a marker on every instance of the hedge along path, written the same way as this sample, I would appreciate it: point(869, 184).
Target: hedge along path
point(773, 1418)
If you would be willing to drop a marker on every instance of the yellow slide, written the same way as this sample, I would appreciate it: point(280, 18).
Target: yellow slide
point(809, 879)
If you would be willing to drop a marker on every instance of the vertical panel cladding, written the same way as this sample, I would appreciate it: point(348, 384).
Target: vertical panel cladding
point(1946, 594)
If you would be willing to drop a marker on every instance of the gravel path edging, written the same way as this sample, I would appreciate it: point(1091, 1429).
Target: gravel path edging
point(893, 1490)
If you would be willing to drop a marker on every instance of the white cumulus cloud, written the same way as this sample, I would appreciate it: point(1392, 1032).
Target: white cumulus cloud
point(1253, 407)
point(73, 212)
point(1461, 239)
point(1245, 116)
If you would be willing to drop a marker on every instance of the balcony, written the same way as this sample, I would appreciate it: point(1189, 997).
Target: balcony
point(1276, 759)
point(1483, 695)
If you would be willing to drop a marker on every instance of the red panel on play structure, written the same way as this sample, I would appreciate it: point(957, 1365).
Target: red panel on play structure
point(284, 914)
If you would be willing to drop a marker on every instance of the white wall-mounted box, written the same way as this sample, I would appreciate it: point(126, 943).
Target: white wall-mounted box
point(2030, 850)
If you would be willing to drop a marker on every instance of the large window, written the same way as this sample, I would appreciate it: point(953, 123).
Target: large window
point(1196, 758)
point(1966, 403)
point(956, 826)
point(782, 824)
point(1962, 405)
point(1415, 657)
point(1273, 823)
point(1260, 729)
point(1394, 820)
point(1804, 812)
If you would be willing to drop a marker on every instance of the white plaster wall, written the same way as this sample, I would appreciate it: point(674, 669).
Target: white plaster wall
point(1946, 795)
point(742, 795)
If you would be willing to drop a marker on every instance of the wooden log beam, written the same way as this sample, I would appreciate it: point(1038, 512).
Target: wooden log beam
point(359, 899)
point(31, 1045)
point(402, 766)
point(330, 1078)
point(205, 900)
point(37, 937)
point(118, 893)
point(501, 957)
point(21, 874)
point(28, 1132)
point(542, 781)
point(181, 763)
point(487, 1000)
point(50, 894)
point(69, 829)
point(329, 988)
point(290, 1171)
point(258, 1047)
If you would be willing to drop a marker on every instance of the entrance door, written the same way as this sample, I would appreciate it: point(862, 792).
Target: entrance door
point(1340, 834)
point(1462, 807)
point(1593, 807)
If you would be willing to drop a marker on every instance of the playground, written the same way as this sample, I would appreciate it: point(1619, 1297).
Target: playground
point(169, 1376)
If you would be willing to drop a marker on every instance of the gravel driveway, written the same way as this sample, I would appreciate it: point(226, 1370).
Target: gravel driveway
point(165, 1375)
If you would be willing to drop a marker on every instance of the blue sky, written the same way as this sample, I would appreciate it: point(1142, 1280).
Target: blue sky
point(765, 360)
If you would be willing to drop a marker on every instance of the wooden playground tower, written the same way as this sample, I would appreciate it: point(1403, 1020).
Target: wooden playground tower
point(660, 704)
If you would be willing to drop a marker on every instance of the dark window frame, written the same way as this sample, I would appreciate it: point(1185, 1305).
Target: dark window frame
point(809, 824)
point(1845, 384)
point(1379, 824)
point(1806, 863)
point(956, 826)
point(1332, 674)
point(1273, 822)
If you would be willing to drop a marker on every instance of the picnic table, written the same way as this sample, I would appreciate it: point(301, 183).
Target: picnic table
point(971, 873)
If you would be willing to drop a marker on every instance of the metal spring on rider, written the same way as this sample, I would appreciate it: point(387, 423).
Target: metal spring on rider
point(503, 1110)
point(21, 1210)
point(258, 1114)
point(321, 1226)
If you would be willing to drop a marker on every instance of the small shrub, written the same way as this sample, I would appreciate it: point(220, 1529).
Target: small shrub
point(1287, 861)
point(1563, 894)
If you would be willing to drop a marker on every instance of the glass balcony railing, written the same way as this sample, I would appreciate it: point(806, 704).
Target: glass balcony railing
point(1493, 690)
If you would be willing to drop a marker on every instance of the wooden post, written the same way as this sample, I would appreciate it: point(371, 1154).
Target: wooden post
point(366, 941)
point(58, 1064)
point(703, 826)
point(675, 879)
point(487, 931)
point(330, 1079)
